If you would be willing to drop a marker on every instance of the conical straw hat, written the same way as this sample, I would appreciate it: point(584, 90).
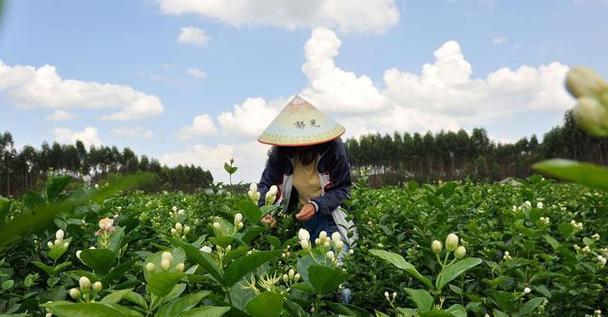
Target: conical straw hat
point(300, 124)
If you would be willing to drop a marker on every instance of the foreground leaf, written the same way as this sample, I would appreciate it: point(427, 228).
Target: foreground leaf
point(579, 172)
point(398, 261)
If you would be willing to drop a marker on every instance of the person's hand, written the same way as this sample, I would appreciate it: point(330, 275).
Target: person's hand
point(269, 220)
point(306, 213)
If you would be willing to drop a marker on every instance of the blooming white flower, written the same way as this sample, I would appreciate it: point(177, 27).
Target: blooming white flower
point(106, 224)
point(451, 242)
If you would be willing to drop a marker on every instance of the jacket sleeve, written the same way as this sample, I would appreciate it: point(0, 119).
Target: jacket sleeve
point(272, 175)
point(340, 182)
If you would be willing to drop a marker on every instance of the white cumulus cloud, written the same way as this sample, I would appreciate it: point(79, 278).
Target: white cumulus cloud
point(89, 136)
point(133, 133)
point(60, 115)
point(196, 72)
point(31, 87)
point(201, 125)
point(444, 95)
point(193, 35)
point(346, 15)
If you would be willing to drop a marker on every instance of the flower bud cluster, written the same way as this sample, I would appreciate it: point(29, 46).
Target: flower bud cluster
point(601, 261)
point(291, 277)
point(595, 236)
point(177, 213)
point(390, 297)
point(86, 292)
point(544, 220)
point(253, 193)
point(576, 225)
point(238, 221)
point(59, 241)
point(507, 256)
point(166, 263)
point(180, 231)
point(271, 195)
point(591, 91)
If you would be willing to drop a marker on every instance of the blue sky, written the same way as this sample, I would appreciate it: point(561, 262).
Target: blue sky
point(257, 50)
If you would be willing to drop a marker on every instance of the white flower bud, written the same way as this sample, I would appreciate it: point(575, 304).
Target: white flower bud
point(92, 248)
point(317, 241)
point(186, 229)
point(150, 267)
point(527, 290)
point(253, 187)
point(322, 235)
point(165, 264)
point(460, 252)
point(386, 295)
point(180, 267)
point(59, 234)
point(339, 245)
point(179, 227)
point(97, 286)
point(351, 251)
point(394, 295)
point(582, 81)
point(296, 277)
point(84, 283)
point(303, 235)
point(335, 237)
point(239, 226)
point(66, 245)
point(436, 246)
point(217, 225)
point(330, 255)
point(49, 244)
point(238, 217)
point(595, 236)
point(206, 249)
point(174, 208)
point(173, 231)
point(539, 205)
point(181, 212)
point(285, 278)
point(58, 242)
point(291, 273)
point(167, 256)
point(451, 242)
point(305, 244)
point(326, 244)
point(74, 293)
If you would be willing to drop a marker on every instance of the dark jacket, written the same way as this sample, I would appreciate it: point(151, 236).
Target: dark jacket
point(332, 161)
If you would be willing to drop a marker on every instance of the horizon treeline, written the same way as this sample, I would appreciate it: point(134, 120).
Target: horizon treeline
point(27, 168)
point(447, 155)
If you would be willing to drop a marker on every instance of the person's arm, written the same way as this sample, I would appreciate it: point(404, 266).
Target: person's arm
point(272, 175)
point(340, 182)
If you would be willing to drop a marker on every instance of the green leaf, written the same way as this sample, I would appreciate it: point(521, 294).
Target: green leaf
point(200, 258)
point(62, 309)
point(349, 310)
point(267, 304)
point(252, 234)
point(136, 299)
point(325, 279)
point(582, 173)
point(246, 264)
point(294, 309)
point(422, 299)
point(5, 208)
point(457, 311)
point(498, 313)
point(454, 270)
point(275, 243)
point(115, 296)
point(531, 305)
point(250, 210)
point(398, 261)
point(208, 311)
point(55, 186)
point(552, 242)
point(161, 283)
point(47, 269)
point(99, 260)
point(182, 304)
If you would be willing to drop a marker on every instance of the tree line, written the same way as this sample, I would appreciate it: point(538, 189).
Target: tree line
point(392, 159)
point(25, 169)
